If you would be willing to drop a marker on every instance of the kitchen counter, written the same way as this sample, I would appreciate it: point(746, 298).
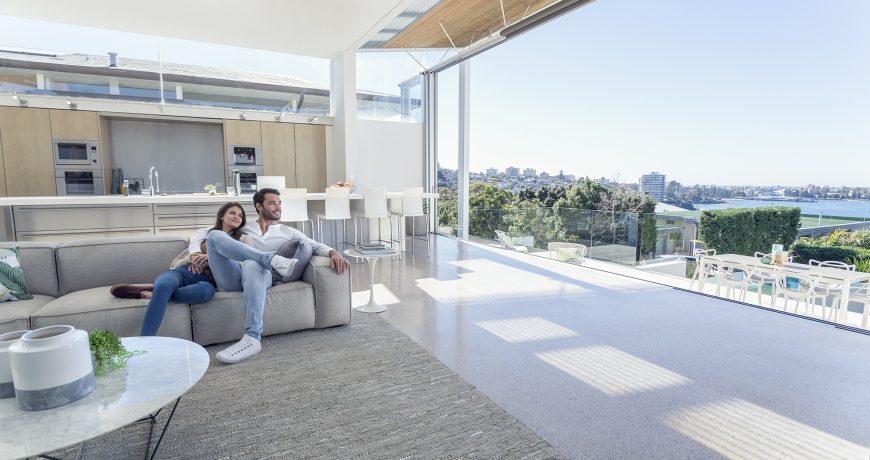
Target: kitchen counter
point(147, 199)
point(61, 218)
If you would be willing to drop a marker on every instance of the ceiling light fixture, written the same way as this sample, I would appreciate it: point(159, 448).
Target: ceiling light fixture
point(72, 105)
point(21, 102)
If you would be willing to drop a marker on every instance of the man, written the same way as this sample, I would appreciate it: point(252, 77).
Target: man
point(246, 266)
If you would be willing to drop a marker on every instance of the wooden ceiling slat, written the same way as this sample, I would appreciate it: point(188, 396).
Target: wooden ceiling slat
point(465, 20)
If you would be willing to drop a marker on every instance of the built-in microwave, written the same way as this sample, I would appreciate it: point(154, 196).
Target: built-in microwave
point(76, 152)
point(244, 155)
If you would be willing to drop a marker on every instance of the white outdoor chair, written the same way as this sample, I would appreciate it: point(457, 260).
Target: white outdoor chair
point(700, 267)
point(567, 252)
point(733, 276)
point(834, 290)
point(861, 294)
point(294, 207)
point(336, 207)
point(412, 206)
point(798, 286)
point(507, 243)
point(759, 277)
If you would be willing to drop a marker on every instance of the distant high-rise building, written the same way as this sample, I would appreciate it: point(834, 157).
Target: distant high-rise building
point(544, 175)
point(491, 172)
point(529, 172)
point(653, 184)
point(512, 173)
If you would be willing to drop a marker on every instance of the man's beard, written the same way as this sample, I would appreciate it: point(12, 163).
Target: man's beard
point(267, 215)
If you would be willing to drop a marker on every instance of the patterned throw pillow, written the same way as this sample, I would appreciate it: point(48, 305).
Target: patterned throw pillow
point(12, 285)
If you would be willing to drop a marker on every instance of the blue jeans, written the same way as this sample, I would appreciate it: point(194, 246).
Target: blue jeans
point(179, 285)
point(239, 267)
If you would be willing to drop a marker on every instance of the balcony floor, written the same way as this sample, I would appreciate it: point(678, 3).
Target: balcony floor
point(606, 366)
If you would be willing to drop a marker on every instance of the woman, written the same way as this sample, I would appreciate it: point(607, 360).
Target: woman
point(188, 283)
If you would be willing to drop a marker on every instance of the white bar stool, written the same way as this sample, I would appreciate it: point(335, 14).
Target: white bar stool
point(294, 207)
point(336, 207)
point(375, 207)
point(412, 206)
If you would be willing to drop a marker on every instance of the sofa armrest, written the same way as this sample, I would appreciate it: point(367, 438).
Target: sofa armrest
point(331, 292)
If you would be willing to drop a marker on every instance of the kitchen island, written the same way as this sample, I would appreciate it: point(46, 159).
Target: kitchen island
point(63, 218)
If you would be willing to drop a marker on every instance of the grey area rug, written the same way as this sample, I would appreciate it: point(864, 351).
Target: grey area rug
point(359, 391)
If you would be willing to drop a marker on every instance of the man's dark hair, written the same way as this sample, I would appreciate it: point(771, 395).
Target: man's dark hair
point(260, 196)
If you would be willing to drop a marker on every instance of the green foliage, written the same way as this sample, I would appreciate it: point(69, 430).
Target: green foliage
point(487, 203)
point(109, 353)
point(528, 218)
point(861, 265)
point(583, 195)
point(744, 231)
point(448, 213)
point(842, 237)
point(545, 196)
point(806, 249)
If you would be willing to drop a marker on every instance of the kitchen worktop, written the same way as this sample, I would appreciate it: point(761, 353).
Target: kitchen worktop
point(162, 199)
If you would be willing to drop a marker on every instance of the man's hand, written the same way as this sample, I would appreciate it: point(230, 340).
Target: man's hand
point(337, 262)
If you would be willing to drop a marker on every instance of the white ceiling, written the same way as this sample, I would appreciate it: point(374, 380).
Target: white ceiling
point(321, 28)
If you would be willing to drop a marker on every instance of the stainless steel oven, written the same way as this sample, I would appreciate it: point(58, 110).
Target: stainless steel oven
point(247, 178)
point(76, 152)
point(75, 180)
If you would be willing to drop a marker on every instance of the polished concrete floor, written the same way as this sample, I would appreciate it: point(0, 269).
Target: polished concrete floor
point(606, 366)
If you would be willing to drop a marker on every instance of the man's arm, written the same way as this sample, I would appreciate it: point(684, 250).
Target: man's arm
point(337, 262)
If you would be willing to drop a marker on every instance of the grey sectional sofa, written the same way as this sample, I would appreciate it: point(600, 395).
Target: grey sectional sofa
point(70, 285)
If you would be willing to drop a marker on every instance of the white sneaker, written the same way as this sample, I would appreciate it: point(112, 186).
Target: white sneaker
point(241, 350)
point(283, 265)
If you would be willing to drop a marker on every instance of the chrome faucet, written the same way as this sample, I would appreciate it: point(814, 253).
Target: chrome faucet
point(153, 182)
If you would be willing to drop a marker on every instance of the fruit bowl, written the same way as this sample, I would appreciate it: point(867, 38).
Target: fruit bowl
point(346, 185)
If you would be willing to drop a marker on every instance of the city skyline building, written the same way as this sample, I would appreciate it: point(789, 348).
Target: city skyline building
point(653, 184)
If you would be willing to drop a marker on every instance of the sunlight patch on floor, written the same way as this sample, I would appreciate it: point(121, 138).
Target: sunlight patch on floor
point(612, 371)
point(517, 330)
point(383, 296)
point(493, 281)
point(739, 429)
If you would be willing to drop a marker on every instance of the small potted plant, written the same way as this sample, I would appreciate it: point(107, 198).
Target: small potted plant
point(211, 189)
point(108, 351)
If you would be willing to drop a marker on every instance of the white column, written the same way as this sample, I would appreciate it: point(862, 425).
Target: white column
point(343, 102)
point(464, 132)
point(430, 98)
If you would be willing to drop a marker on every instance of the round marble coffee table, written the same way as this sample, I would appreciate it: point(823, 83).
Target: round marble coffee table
point(372, 260)
point(151, 380)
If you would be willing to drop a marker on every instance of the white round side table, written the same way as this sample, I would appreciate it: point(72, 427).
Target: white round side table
point(372, 260)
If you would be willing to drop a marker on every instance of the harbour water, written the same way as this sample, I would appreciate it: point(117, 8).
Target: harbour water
point(840, 208)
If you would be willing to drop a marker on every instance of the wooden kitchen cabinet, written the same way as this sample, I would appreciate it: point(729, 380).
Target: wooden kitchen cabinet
point(279, 151)
point(27, 154)
point(72, 124)
point(241, 132)
point(311, 157)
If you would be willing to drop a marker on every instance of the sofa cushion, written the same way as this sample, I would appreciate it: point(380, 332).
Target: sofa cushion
point(37, 262)
point(15, 316)
point(289, 307)
point(95, 308)
point(85, 264)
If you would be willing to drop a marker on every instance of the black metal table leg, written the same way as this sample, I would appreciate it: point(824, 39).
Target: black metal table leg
point(162, 433)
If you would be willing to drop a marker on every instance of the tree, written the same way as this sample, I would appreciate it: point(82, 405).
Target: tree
point(582, 195)
point(448, 211)
point(487, 204)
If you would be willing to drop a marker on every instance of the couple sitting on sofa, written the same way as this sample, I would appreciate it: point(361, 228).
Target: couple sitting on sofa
point(235, 255)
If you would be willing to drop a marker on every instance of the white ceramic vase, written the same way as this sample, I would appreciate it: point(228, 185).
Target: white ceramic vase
point(7, 389)
point(51, 367)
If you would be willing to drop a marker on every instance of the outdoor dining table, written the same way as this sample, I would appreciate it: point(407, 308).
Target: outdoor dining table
point(837, 275)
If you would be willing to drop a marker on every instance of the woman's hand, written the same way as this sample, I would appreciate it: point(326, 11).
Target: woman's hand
point(198, 262)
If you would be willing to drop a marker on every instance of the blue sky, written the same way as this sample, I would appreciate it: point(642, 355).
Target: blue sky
point(737, 92)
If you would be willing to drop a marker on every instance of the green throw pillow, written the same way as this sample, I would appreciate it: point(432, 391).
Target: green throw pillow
point(12, 285)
